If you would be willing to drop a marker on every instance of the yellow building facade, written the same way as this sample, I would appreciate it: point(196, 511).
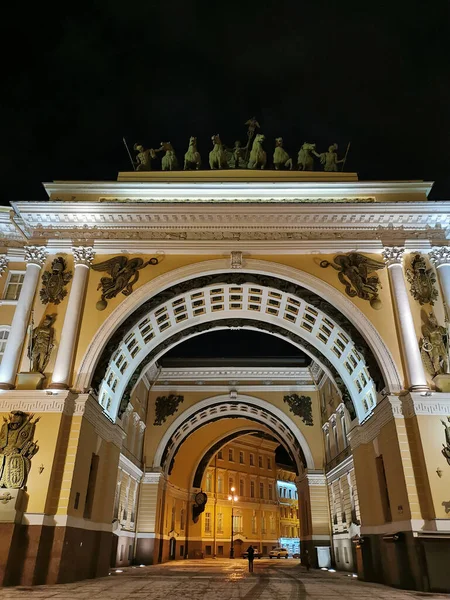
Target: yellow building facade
point(100, 281)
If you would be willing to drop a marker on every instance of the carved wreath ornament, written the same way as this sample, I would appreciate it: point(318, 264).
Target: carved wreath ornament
point(300, 406)
point(166, 406)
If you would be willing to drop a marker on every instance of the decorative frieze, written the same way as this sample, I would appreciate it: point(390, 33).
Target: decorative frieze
point(3, 264)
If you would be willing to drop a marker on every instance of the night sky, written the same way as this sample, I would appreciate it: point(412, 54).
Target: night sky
point(79, 78)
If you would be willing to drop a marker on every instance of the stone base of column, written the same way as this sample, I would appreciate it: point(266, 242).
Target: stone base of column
point(6, 386)
point(419, 388)
point(58, 386)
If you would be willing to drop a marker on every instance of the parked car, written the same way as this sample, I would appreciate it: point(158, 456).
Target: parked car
point(279, 553)
point(296, 555)
point(255, 555)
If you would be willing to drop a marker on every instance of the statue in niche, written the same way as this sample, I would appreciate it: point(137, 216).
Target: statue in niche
point(41, 344)
point(281, 158)
point(169, 160)
point(329, 159)
point(354, 272)
point(54, 282)
point(422, 281)
point(434, 346)
point(166, 406)
point(446, 446)
point(300, 406)
point(258, 157)
point(192, 158)
point(17, 448)
point(306, 157)
point(144, 158)
point(217, 156)
point(124, 273)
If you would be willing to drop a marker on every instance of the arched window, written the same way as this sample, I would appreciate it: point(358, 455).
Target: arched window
point(220, 484)
point(208, 481)
point(4, 333)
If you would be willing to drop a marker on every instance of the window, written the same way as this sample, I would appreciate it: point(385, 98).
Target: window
point(272, 523)
point(270, 491)
point(220, 455)
point(336, 440)
point(207, 522)
point(263, 524)
point(208, 550)
point(90, 493)
point(220, 550)
point(237, 523)
point(230, 454)
point(172, 520)
point(182, 513)
point(220, 484)
point(13, 286)
point(4, 333)
point(241, 488)
point(261, 490)
point(208, 482)
point(241, 458)
point(181, 550)
point(269, 463)
point(252, 460)
point(252, 489)
point(346, 554)
point(230, 485)
point(290, 494)
point(220, 522)
point(344, 430)
point(327, 446)
point(260, 462)
point(254, 524)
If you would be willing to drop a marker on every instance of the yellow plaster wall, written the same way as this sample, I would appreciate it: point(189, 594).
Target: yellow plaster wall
point(432, 438)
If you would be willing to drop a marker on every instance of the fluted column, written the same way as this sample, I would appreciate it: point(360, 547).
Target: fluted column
point(440, 257)
point(62, 371)
point(35, 258)
point(415, 373)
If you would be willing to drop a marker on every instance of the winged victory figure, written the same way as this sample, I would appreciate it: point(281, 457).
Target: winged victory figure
point(354, 272)
point(123, 272)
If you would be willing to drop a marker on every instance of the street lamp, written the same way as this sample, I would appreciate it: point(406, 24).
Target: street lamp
point(233, 499)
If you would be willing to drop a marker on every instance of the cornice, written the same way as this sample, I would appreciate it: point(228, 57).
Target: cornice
point(130, 468)
point(437, 404)
point(242, 374)
point(169, 190)
point(389, 408)
point(342, 468)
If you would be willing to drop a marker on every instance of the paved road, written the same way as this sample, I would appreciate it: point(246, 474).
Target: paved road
point(220, 579)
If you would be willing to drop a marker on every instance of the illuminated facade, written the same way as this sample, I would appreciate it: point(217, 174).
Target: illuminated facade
point(155, 259)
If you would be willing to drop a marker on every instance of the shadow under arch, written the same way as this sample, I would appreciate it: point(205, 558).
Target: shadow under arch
point(252, 408)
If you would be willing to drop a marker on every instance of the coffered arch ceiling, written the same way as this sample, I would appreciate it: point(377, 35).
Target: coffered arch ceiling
point(234, 300)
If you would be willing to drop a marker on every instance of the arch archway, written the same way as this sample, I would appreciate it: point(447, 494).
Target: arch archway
point(323, 322)
point(247, 407)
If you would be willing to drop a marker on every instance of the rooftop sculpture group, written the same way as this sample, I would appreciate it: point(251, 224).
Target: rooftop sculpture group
point(251, 156)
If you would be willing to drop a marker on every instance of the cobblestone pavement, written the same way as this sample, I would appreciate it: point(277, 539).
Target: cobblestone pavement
point(219, 579)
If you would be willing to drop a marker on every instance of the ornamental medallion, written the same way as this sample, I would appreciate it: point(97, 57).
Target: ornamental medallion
point(54, 282)
point(422, 281)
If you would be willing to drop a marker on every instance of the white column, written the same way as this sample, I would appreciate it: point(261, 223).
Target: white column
point(35, 258)
point(62, 371)
point(440, 257)
point(415, 373)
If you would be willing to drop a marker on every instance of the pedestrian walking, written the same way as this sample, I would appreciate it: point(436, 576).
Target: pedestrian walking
point(306, 560)
point(250, 556)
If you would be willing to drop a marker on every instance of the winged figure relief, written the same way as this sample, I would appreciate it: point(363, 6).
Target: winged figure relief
point(124, 273)
point(355, 273)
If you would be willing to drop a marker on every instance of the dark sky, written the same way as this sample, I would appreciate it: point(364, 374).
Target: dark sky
point(79, 77)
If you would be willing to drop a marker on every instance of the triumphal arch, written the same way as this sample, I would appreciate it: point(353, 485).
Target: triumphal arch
point(107, 450)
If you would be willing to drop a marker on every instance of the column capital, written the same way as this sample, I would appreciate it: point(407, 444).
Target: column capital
point(393, 256)
point(83, 255)
point(440, 256)
point(36, 255)
point(3, 263)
